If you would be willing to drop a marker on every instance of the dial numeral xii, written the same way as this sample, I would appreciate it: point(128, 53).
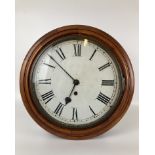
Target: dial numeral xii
point(77, 49)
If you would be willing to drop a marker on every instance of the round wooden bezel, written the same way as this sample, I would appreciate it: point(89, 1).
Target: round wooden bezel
point(118, 52)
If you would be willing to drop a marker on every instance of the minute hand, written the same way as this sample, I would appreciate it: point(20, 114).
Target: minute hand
point(61, 67)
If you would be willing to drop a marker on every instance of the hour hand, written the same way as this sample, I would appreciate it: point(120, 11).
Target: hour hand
point(68, 99)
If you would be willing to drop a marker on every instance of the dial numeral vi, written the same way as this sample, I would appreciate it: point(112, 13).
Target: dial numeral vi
point(75, 114)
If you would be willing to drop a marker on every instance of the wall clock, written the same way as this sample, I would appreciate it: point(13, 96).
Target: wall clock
point(76, 82)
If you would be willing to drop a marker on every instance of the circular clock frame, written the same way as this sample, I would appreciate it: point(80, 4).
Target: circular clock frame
point(117, 51)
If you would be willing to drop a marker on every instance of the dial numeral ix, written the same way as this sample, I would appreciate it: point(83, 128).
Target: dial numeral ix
point(77, 49)
point(45, 81)
point(60, 53)
point(104, 66)
point(103, 98)
point(59, 109)
point(108, 82)
point(75, 114)
point(47, 96)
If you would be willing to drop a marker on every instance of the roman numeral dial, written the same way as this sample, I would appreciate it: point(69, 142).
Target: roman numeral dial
point(77, 49)
point(60, 53)
point(49, 65)
point(47, 96)
point(45, 81)
point(92, 110)
point(76, 82)
point(59, 109)
point(93, 54)
point(75, 114)
point(107, 82)
point(103, 98)
point(104, 66)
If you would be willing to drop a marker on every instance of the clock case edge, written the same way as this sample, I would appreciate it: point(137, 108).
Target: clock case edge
point(121, 57)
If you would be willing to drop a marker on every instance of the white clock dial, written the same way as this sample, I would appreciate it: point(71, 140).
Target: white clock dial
point(76, 82)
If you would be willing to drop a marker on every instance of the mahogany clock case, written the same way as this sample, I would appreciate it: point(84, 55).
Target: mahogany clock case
point(105, 41)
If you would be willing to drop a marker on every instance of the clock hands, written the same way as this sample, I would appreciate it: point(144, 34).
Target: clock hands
point(75, 81)
point(61, 67)
point(68, 99)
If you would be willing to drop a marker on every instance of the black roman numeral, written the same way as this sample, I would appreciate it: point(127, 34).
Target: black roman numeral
point(108, 82)
point(77, 49)
point(92, 110)
point(75, 114)
point(48, 65)
point(93, 54)
point(59, 109)
point(60, 53)
point(104, 66)
point(45, 81)
point(47, 96)
point(103, 98)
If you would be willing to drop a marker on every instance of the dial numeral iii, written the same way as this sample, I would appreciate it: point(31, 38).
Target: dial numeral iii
point(45, 81)
point(108, 82)
point(77, 49)
point(104, 66)
point(59, 109)
point(60, 53)
point(103, 98)
point(75, 114)
point(47, 96)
